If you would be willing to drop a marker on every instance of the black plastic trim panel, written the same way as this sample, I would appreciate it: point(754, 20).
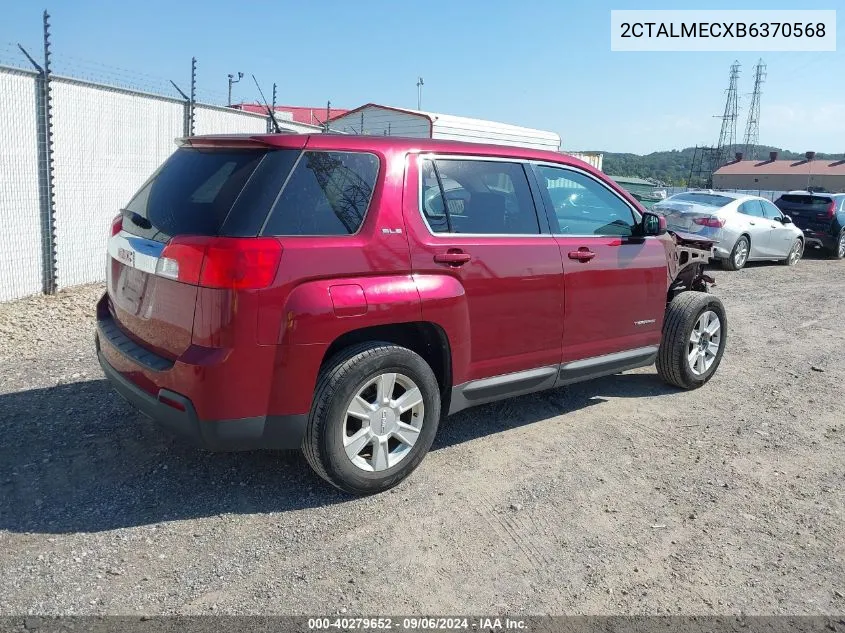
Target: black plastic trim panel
point(109, 330)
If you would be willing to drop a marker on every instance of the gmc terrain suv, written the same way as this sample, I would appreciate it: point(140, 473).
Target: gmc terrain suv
point(342, 293)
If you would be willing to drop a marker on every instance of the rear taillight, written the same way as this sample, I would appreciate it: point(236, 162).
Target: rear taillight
point(713, 222)
point(117, 224)
point(221, 262)
point(831, 210)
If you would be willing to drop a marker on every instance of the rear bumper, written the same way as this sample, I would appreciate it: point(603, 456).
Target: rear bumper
point(720, 251)
point(177, 413)
point(822, 240)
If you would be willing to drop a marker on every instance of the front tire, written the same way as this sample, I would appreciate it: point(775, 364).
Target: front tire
point(739, 255)
point(795, 253)
point(694, 336)
point(375, 414)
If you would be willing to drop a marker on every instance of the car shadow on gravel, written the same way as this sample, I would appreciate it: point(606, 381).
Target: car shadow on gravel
point(76, 458)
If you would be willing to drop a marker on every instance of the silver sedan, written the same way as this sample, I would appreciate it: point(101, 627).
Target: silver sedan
point(745, 228)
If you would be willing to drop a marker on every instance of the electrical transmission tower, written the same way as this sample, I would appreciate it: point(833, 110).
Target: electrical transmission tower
point(727, 136)
point(708, 159)
point(752, 126)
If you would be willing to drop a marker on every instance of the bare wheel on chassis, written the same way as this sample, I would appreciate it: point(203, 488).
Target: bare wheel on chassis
point(694, 336)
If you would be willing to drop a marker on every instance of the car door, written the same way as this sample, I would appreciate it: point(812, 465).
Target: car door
point(615, 283)
point(758, 228)
point(781, 236)
point(475, 221)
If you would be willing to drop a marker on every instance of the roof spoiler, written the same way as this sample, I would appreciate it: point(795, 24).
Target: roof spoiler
point(237, 141)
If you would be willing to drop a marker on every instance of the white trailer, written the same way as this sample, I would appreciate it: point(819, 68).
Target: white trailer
point(374, 119)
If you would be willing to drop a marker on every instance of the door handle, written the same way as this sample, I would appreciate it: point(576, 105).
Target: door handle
point(453, 257)
point(753, 223)
point(583, 254)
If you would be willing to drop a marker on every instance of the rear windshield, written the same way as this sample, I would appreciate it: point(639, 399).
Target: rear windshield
point(805, 200)
point(192, 193)
point(705, 199)
point(230, 192)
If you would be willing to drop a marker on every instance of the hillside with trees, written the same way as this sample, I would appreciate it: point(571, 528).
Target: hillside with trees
point(672, 167)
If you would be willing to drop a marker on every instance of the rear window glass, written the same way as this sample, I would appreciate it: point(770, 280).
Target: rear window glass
point(705, 199)
point(327, 194)
point(191, 193)
point(813, 201)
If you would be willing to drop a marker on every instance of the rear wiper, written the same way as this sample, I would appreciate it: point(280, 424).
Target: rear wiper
point(137, 219)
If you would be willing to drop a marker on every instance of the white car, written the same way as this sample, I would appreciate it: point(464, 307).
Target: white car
point(745, 228)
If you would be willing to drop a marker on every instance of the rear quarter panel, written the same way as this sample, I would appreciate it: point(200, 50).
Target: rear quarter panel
point(328, 286)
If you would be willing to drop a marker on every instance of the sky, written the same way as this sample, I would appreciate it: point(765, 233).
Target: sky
point(539, 63)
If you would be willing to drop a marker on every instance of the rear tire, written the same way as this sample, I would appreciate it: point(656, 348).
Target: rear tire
point(356, 439)
point(694, 335)
point(739, 255)
point(795, 253)
point(838, 250)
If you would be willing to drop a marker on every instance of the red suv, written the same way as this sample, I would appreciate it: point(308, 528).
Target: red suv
point(342, 293)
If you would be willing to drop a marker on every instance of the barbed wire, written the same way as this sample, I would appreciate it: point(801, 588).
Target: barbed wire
point(11, 55)
point(97, 72)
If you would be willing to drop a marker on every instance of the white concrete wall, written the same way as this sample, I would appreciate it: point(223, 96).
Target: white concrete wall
point(106, 143)
point(217, 120)
point(20, 232)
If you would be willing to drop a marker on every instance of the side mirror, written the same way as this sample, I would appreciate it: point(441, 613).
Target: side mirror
point(653, 224)
point(786, 220)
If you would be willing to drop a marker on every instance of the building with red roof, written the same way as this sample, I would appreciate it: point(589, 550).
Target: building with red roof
point(782, 175)
point(307, 115)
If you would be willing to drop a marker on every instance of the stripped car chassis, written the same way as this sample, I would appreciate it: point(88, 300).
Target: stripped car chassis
point(691, 254)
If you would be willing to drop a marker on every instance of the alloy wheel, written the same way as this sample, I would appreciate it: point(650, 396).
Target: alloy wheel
point(704, 342)
point(741, 254)
point(842, 244)
point(383, 422)
point(795, 253)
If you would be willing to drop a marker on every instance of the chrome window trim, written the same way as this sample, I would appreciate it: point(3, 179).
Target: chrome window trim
point(634, 211)
point(477, 158)
point(290, 175)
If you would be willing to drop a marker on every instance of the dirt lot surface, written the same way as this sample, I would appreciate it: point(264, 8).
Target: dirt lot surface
point(617, 496)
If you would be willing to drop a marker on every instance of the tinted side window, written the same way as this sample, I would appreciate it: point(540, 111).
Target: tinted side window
point(583, 206)
point(476, 196)
point(752, 208)
point(327, 194)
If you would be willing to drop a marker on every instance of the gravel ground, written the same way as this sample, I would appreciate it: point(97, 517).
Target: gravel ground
point(619, 496)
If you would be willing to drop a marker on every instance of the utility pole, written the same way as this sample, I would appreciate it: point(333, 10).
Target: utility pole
point(752, 125)
point(232, 80)
point(420, 84)
point(328, 115)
